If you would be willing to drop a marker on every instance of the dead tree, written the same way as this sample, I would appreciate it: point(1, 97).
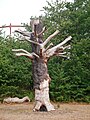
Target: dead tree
point(39, 56)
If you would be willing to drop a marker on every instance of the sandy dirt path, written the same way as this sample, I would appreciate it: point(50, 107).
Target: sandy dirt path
point(62, 112)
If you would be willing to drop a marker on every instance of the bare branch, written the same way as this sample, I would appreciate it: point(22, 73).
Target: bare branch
point(52, 50)
point(23, 52)
point(34, 54)
point(20, 50)
point(62, 43)
point(50, 37)
point(24, 33)
point(62, 53)
point(67, 47)
point(63, 56)
point(24, 38)
point(51, 44)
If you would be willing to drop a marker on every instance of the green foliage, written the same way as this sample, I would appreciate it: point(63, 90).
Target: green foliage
point(15, 73)
point(70, 78)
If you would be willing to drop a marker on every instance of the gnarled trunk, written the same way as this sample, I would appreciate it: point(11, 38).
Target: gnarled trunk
point(40, 73)
point(41, 85)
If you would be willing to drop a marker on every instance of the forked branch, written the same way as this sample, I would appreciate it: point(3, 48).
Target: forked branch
point(22, 52)
point(51, 44)
point(62, 43)
point(52, 51)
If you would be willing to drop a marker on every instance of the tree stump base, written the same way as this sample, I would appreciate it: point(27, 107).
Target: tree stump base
point(42, 98)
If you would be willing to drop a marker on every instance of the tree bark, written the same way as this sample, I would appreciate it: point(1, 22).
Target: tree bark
point(41, 84)
point(40, 74)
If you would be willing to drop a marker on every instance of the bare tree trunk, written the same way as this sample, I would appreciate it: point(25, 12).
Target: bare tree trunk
point(40, 74)
point(42, 97)
point(41, 85)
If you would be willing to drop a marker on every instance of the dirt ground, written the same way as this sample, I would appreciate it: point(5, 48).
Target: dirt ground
point(71, 111)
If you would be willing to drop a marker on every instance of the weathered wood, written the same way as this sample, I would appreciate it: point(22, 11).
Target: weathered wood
point(42, 97)
point(39, 57)
point(50, 37)
point(25, 33)
point(16, 100)
point(52, 51)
